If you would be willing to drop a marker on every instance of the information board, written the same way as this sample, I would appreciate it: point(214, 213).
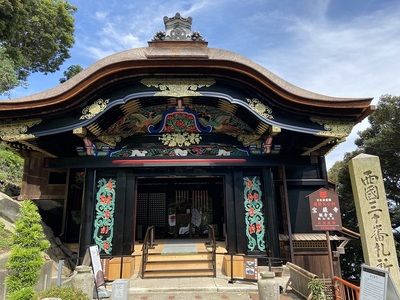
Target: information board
point(376, 284)
point(250, 268)
point(96, 265)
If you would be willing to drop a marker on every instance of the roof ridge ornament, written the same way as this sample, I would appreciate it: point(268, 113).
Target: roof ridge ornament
point(178, 29)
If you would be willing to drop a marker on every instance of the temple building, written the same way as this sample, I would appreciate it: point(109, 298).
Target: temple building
point(178, 135)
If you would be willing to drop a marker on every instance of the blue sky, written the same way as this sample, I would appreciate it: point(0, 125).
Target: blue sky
point(343, 48)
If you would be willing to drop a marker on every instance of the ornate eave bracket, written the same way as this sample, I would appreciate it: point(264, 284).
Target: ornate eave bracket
point(94, 109)
point(334, 128)
point(18, 131)
point(260, 108)
point(178, 87)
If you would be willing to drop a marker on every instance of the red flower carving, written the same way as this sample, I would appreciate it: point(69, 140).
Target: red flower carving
point(107, 214)
point(250, 197)
point(110, 185)
point(104, 229)
point(255, 196)
point(251, 211)
point(252, 229)
point(180, 123)
point(105, 245)
point(249, 183)
point(259, 227)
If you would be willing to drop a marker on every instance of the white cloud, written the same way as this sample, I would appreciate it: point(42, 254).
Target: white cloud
point(357, 58)
point(101, 15)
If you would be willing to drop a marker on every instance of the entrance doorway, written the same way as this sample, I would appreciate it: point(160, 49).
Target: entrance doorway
point(180, 207)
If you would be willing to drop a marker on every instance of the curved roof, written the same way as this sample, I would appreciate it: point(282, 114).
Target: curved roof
point(127, 100)
point(162, 55)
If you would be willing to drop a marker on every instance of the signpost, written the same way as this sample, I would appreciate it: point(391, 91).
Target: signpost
point(325, 216)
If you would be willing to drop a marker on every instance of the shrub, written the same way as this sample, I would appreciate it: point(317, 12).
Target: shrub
point(317, 288)
point(65, 293)
point(5, 238)
point(26, 257)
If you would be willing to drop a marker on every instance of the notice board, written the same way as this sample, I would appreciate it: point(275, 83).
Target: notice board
point(376, 284)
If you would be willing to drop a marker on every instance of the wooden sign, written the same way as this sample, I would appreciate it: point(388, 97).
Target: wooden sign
point(325, 210)
point(250, 268)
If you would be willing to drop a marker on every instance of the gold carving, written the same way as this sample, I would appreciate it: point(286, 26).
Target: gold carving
point(17, 131)
point(248, 139)
point(80, 131)
point(180, 139)
point(92, 110)
point(260, 108)
point(178, 87)
point(334, 128)
point(110, 140)
point(40, 150)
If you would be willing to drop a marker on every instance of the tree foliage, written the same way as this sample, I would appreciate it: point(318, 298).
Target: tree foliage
point(11, 170)
point(9, 78)
point(382, 139)
point(35, 36)
point(71, 72)
point(379, 139)
point(26, 258)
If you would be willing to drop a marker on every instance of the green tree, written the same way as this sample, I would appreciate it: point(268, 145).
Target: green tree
point(353, 258)
point(11, 170)
point(26, 257)
point(382, 139)
point(9, 78)
point(71, 72)
point(379, 139)
point(35, 35)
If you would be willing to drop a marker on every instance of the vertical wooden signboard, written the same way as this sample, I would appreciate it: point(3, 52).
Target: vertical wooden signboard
point(325, 216)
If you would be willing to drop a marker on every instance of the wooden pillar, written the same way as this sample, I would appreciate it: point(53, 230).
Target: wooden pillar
point(130, 215)
point(230, 214)
point(87, 211)
point(119, 214)
point(271, 215)
point(240, 224)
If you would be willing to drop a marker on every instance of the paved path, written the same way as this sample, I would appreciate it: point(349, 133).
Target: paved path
point(199, 288)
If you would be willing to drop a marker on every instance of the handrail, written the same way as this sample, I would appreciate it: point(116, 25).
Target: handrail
point(214, 250)
point(345, 290)
point(147, 244)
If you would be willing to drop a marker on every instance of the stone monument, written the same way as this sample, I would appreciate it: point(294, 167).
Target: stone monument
point(373, 215)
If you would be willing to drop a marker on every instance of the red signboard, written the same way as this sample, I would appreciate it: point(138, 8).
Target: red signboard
point(325, 210)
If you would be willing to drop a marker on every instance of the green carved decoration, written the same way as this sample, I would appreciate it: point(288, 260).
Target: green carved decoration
point(104, 220)
point(254, 217)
